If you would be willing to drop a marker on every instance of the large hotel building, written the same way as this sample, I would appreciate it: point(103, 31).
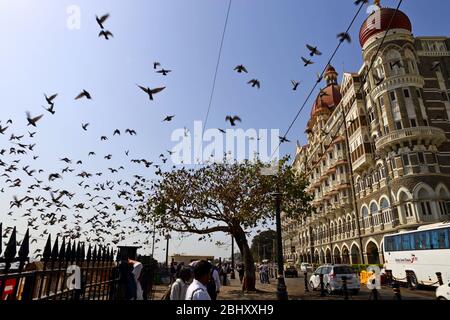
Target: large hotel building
point(378, 152)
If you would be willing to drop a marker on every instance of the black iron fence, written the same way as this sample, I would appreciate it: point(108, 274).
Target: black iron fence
point(66, 271)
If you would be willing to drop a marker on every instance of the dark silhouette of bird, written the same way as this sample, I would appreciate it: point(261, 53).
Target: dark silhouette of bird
point(50, 109)
point(103, 138)
point(240, 69)
point(295, 85)
point(3, 129)
point(33, 121)
point(313, 51)
point(255, 83)
point(396, 63)
point(84, 94)
point(31, 134)
point(102, 20)
point(168, 118)
point(319, 78)
point(117, 131)
point(151, 92)
point(156, 65)
point(50, 99)
point(164, 72)
point(105, 34)
point(344, 36)
point(84, 126)
point(131, 132)
point(307, 61)
point(233, 120)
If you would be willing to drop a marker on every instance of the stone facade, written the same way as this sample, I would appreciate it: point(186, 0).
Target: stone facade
point(381, 146)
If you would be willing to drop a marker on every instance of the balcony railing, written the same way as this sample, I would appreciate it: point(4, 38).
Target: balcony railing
point(435, 136)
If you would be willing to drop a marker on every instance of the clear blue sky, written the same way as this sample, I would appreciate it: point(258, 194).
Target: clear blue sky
point(40, 54)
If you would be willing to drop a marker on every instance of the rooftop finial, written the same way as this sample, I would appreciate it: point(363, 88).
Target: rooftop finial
point(377, 3)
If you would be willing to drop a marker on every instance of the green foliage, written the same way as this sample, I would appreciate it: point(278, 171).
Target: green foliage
point(263, 245)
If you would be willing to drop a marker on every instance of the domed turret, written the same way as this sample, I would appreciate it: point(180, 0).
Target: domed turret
point(379, 21)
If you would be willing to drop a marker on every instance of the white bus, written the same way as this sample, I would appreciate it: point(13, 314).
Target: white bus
point(422, 253)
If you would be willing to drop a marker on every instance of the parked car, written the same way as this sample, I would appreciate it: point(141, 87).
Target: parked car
point(332, 278)
point(443, 292)
point(291, 271)
point(306, 267)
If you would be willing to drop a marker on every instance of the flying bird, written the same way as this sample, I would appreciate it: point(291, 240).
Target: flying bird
point(84, 126)
point(255, 83)
point(156, 65)
point(313, 51)
point(168, 118)
point(295, 85)
point(50, 99)
point(32, 121)
point(344, 36)
point(164, 72)
point(233, 120)
point(102, 20)
point(307, 61)
point(84, 94)
point(105, 34)
point(151, 92)
point(240, 69)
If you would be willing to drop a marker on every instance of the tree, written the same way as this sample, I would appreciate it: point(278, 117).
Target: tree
point(263, 246)
point(233, 198)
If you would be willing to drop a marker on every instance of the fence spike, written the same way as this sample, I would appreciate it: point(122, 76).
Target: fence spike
point(78, 252)
point(48, 249)
point(94, 254)
point(68, 251)
point(11, 247)
point(89, 254)
point(100, 254)
point(55, 250)
point(73, 252)
point(25, 247)
point(62, 252)
point(83, 252)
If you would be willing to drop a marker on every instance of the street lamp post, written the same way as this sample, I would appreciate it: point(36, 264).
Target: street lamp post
point(281, 287)
point(167, 250)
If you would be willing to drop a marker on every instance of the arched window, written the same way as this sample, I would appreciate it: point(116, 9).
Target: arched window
point(364, 212)
point(373, 208)
point(411, 59)
point(425, 203)
point(384, 204)
point(394, 59)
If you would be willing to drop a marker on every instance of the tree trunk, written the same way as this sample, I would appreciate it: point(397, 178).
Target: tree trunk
point(249, 283)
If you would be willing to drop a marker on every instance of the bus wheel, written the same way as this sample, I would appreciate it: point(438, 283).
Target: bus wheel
point(414, 282)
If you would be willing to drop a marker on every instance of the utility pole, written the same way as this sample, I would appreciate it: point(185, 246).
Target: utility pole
point(281, 286)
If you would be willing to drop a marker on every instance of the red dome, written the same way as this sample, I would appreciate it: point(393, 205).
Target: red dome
point(331, 98)
point(368, 29)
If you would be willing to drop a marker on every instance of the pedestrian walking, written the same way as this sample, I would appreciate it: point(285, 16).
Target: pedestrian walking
point(240, 270)
point(136, 271)
point(179, 287)
point(214, 283)
point(197, 289)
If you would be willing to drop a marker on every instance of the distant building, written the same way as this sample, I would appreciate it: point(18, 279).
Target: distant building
point(178, 258)
point(378, 152)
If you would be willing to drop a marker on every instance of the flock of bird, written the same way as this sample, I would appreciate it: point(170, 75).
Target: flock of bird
point(96, 208)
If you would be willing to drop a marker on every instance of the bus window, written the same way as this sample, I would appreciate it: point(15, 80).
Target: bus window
point(435, 239)
point(443, 239)
point(407, 242)
point(398, 243)
point(389, 244)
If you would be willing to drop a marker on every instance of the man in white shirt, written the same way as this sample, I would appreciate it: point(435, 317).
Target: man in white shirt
point(197, 290)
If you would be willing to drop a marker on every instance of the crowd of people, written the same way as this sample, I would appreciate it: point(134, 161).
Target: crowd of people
point(202, 280)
